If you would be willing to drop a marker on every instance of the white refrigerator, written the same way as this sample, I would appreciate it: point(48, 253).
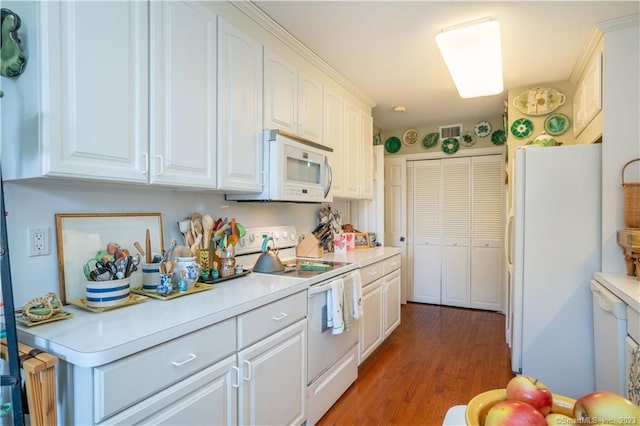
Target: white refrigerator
point(553, 249)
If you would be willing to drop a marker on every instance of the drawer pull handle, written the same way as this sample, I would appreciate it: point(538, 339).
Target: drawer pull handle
point(279, 317)
point(181, 363)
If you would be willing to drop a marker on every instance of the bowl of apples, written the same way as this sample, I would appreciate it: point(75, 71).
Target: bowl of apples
point(527, 401)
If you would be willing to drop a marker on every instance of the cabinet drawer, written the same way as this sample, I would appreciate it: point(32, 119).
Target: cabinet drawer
point(633, 324)
point(391, 264)
point(372, 272)
point(158, 367)
point(266, 320)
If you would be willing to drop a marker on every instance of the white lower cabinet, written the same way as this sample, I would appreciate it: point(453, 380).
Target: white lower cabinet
point(381, 304)
point(272, 390)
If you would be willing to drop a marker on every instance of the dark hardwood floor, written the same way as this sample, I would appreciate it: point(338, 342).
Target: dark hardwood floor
point(438, 357)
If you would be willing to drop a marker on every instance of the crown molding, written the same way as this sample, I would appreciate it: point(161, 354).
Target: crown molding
point(588, 51)
point(275, 29)
point(619, 23)
point(473, 152)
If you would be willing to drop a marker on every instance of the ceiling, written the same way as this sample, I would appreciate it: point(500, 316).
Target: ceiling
point(388, 49)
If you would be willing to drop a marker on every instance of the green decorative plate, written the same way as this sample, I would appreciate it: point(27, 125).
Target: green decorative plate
point(556, 124)
point(467, 139)
point(450, 145)
point(392, 145)
point(430, 140)
point(498, 137)
point(483, 129)
point(521, 128)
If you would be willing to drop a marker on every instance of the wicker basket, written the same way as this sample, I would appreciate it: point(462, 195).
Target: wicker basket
point(631, 200)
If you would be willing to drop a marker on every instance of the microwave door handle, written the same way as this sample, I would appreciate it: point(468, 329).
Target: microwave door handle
point(330, 173)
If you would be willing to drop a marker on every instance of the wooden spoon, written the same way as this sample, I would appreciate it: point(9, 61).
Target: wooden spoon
point(207, 224)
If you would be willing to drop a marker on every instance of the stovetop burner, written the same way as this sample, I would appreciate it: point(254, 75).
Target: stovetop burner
point(306, 268)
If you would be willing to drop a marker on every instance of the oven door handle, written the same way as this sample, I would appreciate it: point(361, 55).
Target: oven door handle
point(317, 289)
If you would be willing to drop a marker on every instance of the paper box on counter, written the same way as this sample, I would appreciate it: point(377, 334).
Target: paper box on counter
point(340, 243)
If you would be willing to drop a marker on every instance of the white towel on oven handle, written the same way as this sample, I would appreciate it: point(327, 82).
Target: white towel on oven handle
point(335, 297)
point(358, 309)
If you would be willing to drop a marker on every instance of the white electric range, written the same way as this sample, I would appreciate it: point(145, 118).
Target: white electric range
point(332, 364)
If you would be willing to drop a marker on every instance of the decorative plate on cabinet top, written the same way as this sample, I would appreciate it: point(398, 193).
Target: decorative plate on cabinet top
point(521, 128)
point(450, 145)
point(392, 145)
point(467, 139)
point(498, 137)
point(430, 140)
point(539, 101)
point(483, 129)
point(556, 124)
point(410, 137)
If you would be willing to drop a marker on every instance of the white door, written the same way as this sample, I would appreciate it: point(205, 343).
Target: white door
point(427, 234)
point(239, 152)
point(333, 134)
point(396, 206)
point(487, 206)
point(371, 323)
point(280, 93)
point(183, 96)
point(391, 302)
point(309, 108)
point(352, 134)
point(97, 112)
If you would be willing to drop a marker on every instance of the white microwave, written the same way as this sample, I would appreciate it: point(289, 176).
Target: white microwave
point(295, 170)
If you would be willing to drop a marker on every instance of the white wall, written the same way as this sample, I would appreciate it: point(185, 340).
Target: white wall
point(35, 203)
point(621, 133)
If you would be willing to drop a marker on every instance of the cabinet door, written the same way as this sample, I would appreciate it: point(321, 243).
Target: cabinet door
point(391, 302)
point(274, 376)
point(334, 138)
point(351, 150)
point(371, 333)
point(456, 290)
point(309, 108)
point(239, 74)
point(366, 157)
point(427, 234)
point(280, 93)
point(183, 95)
point(96, 90)
point(487, 269)
point(207, 397)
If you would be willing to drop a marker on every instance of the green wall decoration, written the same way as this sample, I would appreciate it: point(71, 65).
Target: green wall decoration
point(12, 58)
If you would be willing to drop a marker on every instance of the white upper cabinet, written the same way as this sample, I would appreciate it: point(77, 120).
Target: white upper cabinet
point(334, 137)
point(239, 110)
point(357, 154)
point(292, 99)
point(587, 101)
point(81, 108)
point(183, 95)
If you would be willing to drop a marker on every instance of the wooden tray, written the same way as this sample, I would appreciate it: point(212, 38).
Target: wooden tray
point(132, 300)
point(57, 317)
point(236, 275)
point(197, 288)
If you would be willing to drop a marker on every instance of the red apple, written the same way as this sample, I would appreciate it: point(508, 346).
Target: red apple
point(514, 413)
point(607, 408)
point(532, 391)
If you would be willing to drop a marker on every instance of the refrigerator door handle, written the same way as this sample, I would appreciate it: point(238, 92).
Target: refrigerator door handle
point(508, 231)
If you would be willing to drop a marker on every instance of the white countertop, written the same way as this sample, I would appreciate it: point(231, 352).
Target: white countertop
point(625, 287)
point(91, 339)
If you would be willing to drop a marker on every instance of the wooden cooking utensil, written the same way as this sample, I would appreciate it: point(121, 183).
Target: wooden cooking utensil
point(148, 246)
point(139, 248)
point(208, 224)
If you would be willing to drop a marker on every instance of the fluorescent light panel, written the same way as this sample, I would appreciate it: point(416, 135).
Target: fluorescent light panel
point(474, 58)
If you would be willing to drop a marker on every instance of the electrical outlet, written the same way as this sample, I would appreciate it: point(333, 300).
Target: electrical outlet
point(38, 241)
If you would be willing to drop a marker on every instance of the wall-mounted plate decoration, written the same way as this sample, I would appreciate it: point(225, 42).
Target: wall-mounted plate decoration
point(498, 137)
point(521, 128)
point(392, 145)
point(556, 124)
point(467, 139)
point(430, 140)
point(539, 101)
point(483, 129)
point(450, 145)
point(411, 137)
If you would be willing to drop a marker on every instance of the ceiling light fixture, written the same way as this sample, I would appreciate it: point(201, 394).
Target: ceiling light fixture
point(473, 55)
point(399, 108)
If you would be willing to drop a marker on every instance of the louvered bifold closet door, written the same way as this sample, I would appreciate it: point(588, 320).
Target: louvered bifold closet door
point(487, 232)
point(456, 241)
point(427, 239)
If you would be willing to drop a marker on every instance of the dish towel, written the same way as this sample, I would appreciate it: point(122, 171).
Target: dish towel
point(348, 303)
point(335, 303)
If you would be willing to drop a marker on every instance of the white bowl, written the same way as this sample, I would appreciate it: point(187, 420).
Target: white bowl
point(102, 294)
